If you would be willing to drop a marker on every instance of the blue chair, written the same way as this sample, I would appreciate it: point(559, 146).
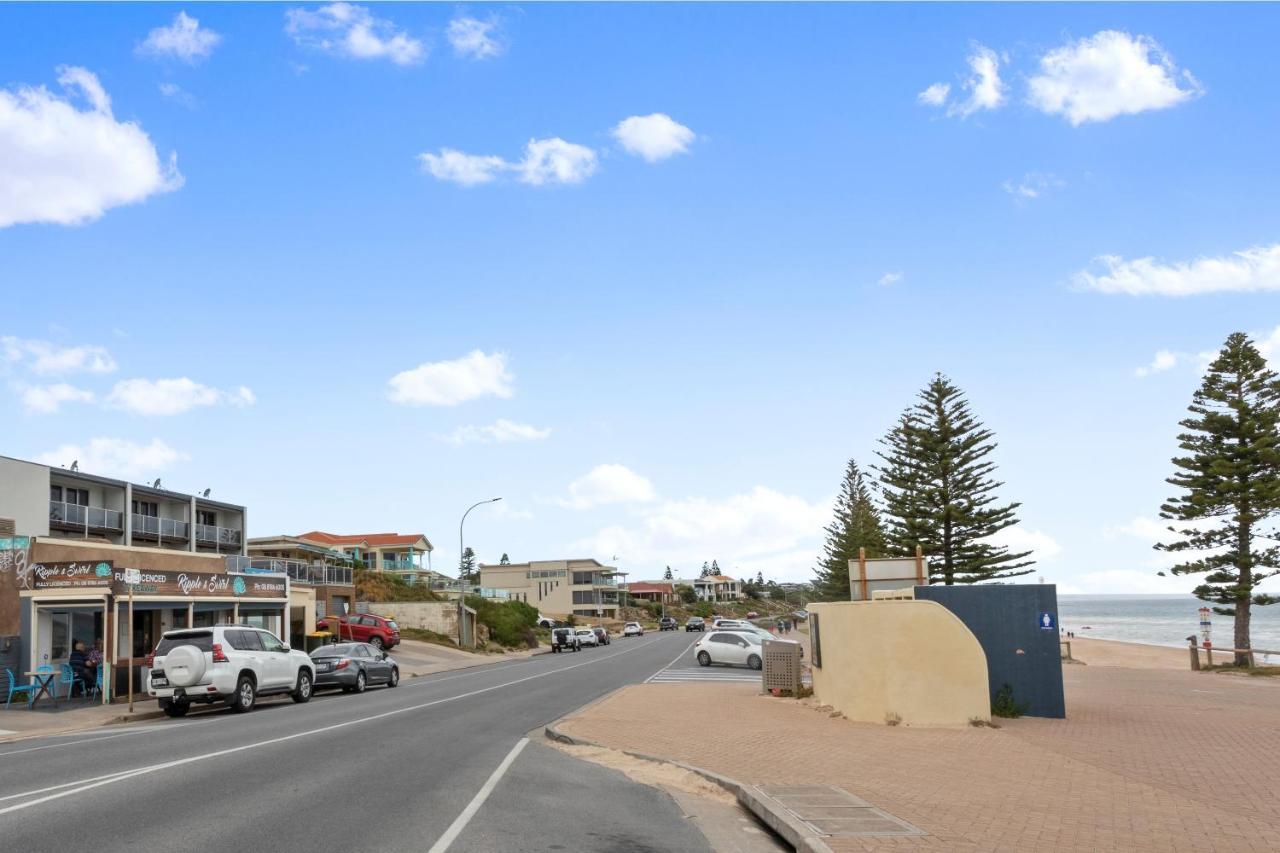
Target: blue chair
point(96, 688)
point(15, 687)
point(71, 678)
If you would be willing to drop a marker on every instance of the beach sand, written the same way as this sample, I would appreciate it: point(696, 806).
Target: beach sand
point(1095, 652)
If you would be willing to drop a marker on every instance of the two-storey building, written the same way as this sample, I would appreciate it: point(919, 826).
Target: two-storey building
point(583, 587)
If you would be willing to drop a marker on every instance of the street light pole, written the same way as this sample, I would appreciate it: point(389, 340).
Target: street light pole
point(461, 557)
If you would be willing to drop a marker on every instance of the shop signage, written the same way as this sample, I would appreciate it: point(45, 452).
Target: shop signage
point(200, 585)
point(76, 575)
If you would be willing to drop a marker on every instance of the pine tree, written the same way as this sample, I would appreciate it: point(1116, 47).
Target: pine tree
point(505, 561)
point(939, 492)
point(759, 578)
point(715, 568)
point(706, 570)
point(467, 568)
point(1231, 485)
point(668, 575)
point(856, 525)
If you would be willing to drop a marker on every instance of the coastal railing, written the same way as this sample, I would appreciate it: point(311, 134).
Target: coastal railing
point(1196, 649)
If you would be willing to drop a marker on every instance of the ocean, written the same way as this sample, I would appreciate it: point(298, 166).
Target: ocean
point(1162, 620)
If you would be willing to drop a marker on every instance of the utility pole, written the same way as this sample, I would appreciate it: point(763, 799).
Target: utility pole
point(462, 607)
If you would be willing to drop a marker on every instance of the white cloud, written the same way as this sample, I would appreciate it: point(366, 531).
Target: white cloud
point(47, 399)
point(554, 161)
point(608, 484)
point(1127, 581)
point(1109, 74)
point(184, 39)
point(461, 168)
point(986, 90)
point(115, 457)
point(653, 137)
point(501, 431)
point(935, 95)
point(1248, 270)
point(1018, 538)
point(448, 383)
point(1033, 185)
point(474, 38)
point(66, 165)
point(172, 396)
point(43, 357)
point(1164, 360)
point(177, 94)
point(345, 29)
point(758, 530)
point(545, 161)
point(889, 279)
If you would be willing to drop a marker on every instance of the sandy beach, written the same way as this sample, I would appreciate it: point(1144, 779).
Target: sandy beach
point(1096, 652)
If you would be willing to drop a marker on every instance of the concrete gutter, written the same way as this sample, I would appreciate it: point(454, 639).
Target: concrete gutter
point(791, 829)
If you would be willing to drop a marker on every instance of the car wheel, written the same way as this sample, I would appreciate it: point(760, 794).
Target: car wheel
point(361, 682)
point(395, 676)
point(175, 709)
point(377, 643)
point(302, 693)
point(704, 659)
point(754, 661)
point(246, 695)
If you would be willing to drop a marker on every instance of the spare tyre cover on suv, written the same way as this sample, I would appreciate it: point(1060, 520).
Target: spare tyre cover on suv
point(184, 666)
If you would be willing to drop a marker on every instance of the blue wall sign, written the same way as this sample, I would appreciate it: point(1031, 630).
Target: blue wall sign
point(1048, 622)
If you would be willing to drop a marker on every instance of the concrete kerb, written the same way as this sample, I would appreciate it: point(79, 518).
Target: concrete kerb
point(786, 825)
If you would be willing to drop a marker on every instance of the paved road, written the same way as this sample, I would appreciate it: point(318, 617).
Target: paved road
point(399, 769)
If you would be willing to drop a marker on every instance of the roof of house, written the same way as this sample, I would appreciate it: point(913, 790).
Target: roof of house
point(651, 586)
point(716, 579)
point(370, 540)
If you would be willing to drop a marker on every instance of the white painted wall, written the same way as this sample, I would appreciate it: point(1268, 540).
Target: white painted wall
point(24, 496)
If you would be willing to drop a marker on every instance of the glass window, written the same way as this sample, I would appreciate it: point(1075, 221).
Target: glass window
point(269, 642)
point(79, 497)
point(204, 516)
point(202, 640)
point(150, 509)
point(55, 493)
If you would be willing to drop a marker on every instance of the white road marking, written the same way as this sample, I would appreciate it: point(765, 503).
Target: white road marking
point(460, 823)
point(103, 736)
point(673, 662)
point(97, 781)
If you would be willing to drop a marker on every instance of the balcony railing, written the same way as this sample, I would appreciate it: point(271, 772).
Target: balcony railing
point(87, 517)
point(207, 534)
point(400, 566)
point(316, 574)
point(162, 528)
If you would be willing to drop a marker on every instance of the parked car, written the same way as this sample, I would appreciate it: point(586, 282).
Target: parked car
point(730, 623)
point(353, 667)
point(668, 623)
point(377, 631)
point(546, 622)
point(602, 635)
point(586, 637)
point(695, 623)
point(751, 614)
point(800, 615)
point(564, 638)
point(633, 629)
point(734, 648)
point(762, 635)
point(228, 663)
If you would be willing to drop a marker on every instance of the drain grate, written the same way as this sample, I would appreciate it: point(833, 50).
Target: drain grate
point(834, 811)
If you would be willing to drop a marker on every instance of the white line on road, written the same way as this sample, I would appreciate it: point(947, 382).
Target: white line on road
point(460, 823)
point(673, 662)
point(103, 736)
point(87, 784)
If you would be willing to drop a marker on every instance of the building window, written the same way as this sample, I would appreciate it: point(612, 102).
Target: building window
point(150, 509)
point(204, 516)
point(584, 596)
point(583, 577)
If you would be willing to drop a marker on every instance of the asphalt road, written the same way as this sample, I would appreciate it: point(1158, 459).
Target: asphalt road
point(437, 763)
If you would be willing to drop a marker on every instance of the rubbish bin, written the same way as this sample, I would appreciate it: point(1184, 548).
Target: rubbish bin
point(316, 639)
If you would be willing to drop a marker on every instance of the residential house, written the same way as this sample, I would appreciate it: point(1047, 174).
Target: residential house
point(663, 592)
point(407, 555)
point(717, 588)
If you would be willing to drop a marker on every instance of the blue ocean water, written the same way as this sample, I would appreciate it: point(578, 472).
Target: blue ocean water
point(1162, 620)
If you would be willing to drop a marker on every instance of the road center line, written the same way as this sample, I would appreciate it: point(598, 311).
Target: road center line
point(461, 821)
point(87, 784)
point(673, 662)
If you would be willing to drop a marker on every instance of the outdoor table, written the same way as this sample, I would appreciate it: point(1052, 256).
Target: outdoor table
point(45, 687)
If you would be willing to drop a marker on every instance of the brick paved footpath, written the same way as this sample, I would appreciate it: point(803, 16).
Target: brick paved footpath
point(1147, 760)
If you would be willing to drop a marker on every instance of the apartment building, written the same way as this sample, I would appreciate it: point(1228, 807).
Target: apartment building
point(717, 588)
point(583, 587)
point(66, 503)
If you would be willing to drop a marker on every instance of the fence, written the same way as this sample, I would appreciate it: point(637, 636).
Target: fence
point(1209, 650)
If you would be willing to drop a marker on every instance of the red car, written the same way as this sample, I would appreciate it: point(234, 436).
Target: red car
point(377, 631)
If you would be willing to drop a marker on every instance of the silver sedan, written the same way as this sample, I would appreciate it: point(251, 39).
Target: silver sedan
point(353, 667)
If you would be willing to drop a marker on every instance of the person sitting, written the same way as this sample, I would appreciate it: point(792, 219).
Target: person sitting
point(79, 663)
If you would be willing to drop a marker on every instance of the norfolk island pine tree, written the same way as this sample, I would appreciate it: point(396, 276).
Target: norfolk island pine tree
point(1230, 482)
point(856, 524)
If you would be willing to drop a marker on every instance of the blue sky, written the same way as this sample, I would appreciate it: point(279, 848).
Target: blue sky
point(659, 340)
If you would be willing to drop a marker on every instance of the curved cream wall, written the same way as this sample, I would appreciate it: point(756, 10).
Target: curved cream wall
point(913, 659)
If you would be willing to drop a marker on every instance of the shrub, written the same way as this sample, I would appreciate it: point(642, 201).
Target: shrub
point(510, 623)
point(1004, 705)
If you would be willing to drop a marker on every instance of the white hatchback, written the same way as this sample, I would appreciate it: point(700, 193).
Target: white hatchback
point(735, 648)
point(586, 637)
point(633, 629)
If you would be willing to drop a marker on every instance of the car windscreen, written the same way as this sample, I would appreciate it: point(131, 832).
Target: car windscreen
point(337, 650)
point(202, 640)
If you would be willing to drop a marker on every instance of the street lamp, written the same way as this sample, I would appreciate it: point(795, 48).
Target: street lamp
point(461, 556)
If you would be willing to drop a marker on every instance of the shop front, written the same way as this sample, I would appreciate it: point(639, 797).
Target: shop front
point(125, 611)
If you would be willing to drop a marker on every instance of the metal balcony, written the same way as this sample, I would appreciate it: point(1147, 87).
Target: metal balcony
point(65, 516)
point(222, 537)
point(150, 527)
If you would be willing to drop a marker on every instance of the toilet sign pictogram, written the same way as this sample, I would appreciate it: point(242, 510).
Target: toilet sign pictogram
point(1047, 622)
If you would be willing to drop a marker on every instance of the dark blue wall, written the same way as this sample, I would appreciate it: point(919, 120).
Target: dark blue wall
point(1006, 618)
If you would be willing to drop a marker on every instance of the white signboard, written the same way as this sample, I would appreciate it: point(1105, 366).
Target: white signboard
point(133, 577)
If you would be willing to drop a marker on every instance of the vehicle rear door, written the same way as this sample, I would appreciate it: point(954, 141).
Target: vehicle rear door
point(248, 650)
point(728, 648)
point(278, 670)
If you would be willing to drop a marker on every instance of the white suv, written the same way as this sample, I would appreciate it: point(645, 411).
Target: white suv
point(228, 663)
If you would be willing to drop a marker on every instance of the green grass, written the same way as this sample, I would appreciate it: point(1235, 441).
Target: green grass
point(1261, 671)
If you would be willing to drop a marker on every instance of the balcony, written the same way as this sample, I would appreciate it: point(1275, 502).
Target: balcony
point(220, 537)
point(400, 566)
point(160, 529)
point(315, 574)
point(65, 516)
